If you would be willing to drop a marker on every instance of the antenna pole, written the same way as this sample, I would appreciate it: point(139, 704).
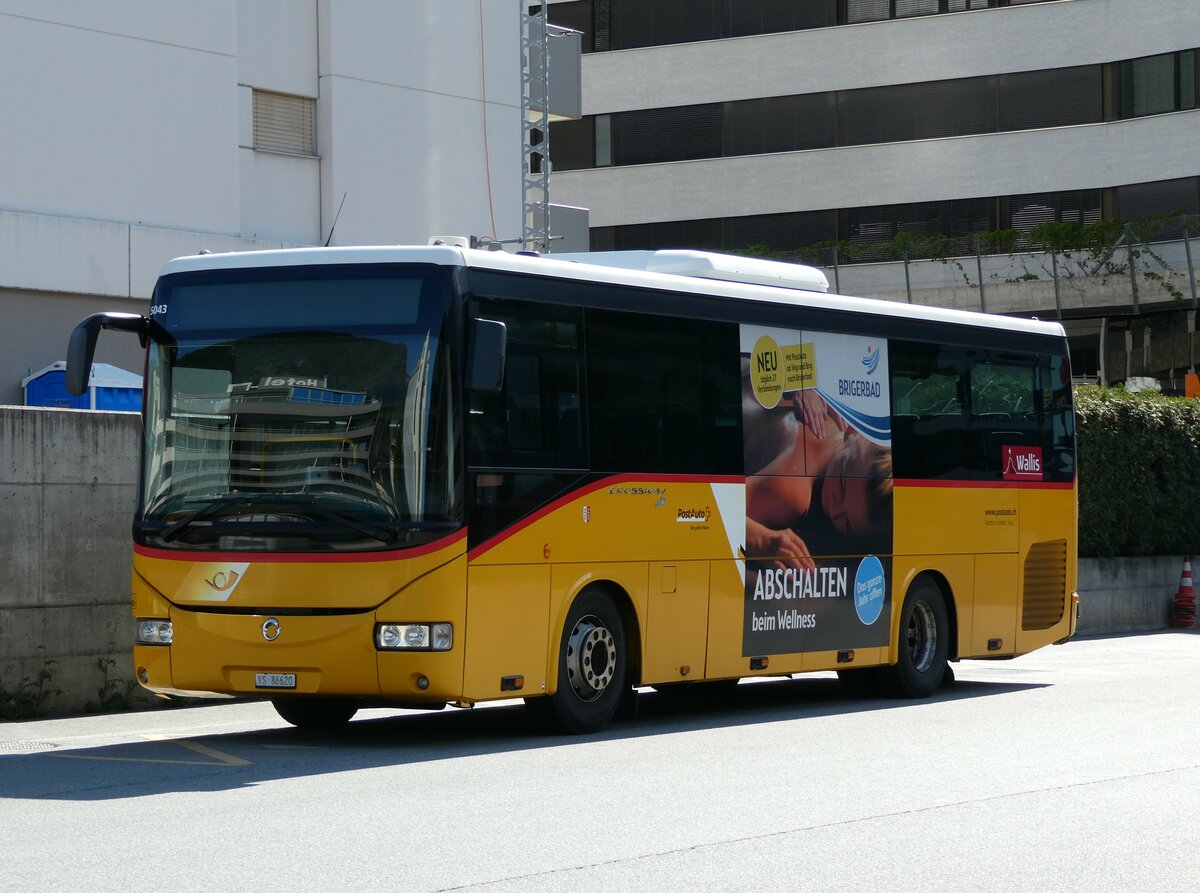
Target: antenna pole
point(335, 219)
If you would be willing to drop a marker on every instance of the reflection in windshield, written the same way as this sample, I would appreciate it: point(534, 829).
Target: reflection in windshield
point(300, 440)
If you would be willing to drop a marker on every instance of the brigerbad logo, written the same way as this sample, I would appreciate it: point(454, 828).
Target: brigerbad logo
point(870, 360)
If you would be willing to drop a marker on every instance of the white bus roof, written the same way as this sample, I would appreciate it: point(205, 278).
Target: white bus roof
point(719, 275)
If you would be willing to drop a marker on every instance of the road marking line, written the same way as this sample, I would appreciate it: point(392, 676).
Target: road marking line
point(216, 757)
point(76, 756)
point(227, 759)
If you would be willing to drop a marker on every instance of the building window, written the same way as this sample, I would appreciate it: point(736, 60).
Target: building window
point(671, 134)
point(1023, 213)
point(1154, 85)
point(284, 123)
point(573, 144)
point(807, 235)
point(932, 110)
point(1139, 201)
point(1059, 97)
point(625, 24)
point(778, 124)
point(603, 148)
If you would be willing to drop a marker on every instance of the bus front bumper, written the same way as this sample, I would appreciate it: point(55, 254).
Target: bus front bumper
point(270, 655)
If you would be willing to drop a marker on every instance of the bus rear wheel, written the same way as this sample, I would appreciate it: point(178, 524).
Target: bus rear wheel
point(316, 712)
point(592, 665)
point(924, 641)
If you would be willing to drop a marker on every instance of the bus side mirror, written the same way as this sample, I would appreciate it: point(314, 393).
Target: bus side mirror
point(486, 348)
point(82, 348)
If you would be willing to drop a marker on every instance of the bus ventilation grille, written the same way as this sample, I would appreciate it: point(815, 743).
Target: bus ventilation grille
point(1045, 585)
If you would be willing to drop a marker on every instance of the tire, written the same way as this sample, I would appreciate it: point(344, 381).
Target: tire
point(924, 641)
point(316, 712)
point(592, 666)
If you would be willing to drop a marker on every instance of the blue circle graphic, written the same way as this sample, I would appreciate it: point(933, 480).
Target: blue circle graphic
point(869, 589)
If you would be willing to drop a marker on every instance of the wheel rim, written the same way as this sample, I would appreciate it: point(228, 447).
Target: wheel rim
point(922, 636)
point(591, 658)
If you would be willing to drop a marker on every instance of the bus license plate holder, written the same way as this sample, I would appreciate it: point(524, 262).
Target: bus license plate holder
point(275, 680)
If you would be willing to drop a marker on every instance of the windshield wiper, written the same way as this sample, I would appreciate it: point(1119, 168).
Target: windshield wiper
point(211, 508)
point(374, 531)
point(387, 533)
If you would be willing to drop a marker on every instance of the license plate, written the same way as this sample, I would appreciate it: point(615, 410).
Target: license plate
point(275, 680)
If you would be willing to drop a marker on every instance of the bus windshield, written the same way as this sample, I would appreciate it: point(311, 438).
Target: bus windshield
point(310, 409)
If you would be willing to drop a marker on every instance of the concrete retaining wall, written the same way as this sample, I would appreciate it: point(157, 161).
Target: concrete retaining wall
point(67, 492)
point(1119, 595)
point(67, 489)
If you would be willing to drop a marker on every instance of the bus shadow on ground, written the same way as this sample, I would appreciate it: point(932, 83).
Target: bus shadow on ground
point(227, 761)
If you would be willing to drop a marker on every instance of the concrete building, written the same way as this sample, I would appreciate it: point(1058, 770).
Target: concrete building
point(779, 125)
point(138, 131)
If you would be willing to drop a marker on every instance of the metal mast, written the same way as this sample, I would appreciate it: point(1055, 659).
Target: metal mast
point(535, 126)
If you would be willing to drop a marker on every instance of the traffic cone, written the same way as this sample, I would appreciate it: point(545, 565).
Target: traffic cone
point(1183, 609)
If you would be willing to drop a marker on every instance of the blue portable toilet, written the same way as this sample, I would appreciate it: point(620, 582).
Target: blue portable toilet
point(109, 387)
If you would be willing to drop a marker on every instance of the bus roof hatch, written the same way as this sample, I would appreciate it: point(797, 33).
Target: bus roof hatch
point(708, 265)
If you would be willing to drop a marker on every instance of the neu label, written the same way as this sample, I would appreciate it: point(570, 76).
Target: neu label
point(1022, 463)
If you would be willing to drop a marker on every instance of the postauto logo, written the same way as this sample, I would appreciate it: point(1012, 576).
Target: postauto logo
point(870, 360)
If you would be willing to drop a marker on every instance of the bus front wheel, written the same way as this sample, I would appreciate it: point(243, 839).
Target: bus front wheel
point(924, 641)
point(592, 665)
point(316, 712)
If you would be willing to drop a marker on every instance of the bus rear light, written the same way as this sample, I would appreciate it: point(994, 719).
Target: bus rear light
point(155, 632)
point(414, 636)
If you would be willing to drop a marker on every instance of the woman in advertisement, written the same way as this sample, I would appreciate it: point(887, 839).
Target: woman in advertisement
point(829, 492)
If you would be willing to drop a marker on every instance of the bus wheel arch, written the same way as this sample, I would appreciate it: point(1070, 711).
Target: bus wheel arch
point(924, 637)
point(951, 607)
point(633, 631)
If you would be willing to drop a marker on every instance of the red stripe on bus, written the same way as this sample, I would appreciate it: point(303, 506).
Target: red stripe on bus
point(304, 557)
point(984, 485)
point(583, 491)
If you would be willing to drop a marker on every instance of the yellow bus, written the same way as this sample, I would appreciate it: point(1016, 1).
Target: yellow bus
point(421, 476)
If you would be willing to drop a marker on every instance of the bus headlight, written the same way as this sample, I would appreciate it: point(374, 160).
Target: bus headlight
point(155, 632)
point(414, 636)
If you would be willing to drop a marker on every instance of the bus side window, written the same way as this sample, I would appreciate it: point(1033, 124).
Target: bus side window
point(1059, 422)
point(536, 418)
point(526, 442)
point(929, 410)
point(1004, 408)
point(664, 394)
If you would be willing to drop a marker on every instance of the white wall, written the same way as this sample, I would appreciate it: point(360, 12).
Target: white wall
point(401, 124)
point(279, 195)
point(118, 112)
point(138, 114)
point(128, 128)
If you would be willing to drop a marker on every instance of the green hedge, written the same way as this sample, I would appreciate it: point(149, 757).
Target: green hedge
point(1139, 473)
